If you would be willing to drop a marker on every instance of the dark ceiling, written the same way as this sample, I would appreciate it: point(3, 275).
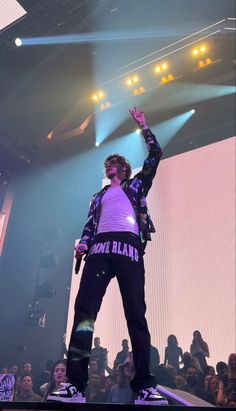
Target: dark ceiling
point(48, 87)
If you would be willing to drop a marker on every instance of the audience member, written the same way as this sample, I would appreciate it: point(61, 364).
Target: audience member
point(27, 368)
point(194, 384)
point(13, 369)
point(121, 392)
point(43, 377)
point(57, 376)
point(180, 383)
point(173, 353)
point(122, 355)
point(209, 370)
point(18, 385)
point(109, 382)
point(93, 392)
point(222, 372)
point(188, 360)
point(26, 393)
point(99, 354)
point(199, 349)
point(166, 376)
point(231, 389)
point(154, 359)
point(216, 390)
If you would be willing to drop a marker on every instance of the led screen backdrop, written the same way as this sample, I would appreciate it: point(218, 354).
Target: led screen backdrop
point(11, 11)
point(190, 263)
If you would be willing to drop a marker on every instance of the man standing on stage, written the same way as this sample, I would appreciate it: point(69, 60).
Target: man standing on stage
point(114, 239)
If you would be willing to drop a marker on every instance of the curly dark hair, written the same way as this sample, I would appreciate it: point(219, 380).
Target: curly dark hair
point(121, 160)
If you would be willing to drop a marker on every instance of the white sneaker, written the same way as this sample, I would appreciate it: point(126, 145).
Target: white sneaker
point(150, 396)
point(66, 393)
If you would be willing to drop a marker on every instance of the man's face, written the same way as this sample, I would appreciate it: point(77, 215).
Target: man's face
point(14, 369)
point(26, 383)
point(214, 384)
point(191, 371)
point(27, 367)
point(113, 168)
point(125, 345)
point(93, 365)
point(108, 383)
point(96, 342)
point(95, 380)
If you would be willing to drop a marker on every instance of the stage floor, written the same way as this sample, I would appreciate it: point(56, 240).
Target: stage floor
point(87, 407)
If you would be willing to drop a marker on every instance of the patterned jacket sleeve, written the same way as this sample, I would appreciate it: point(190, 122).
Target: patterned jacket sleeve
point(148, 172)
point(89, 228)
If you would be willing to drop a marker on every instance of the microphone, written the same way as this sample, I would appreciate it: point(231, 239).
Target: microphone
point(77, 265)
point(80, 249)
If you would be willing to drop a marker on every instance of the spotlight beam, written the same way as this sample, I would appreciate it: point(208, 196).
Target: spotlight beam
point(167, 130)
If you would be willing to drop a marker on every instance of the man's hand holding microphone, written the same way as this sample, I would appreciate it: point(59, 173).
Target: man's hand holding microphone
point(80, 250)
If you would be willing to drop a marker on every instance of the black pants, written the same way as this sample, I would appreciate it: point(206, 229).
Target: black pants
point(113, 254)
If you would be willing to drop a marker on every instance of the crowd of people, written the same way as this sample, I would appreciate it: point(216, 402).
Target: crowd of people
point(188, 371)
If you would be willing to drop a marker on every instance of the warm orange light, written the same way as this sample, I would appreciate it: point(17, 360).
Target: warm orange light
point(163, 80)
point(129, 82)
point(136, 92)
point(208, 60)
point(100, 94)
point(170, 77)
point(95, 97)
point(135, 79)
point(164, 66)
point(195, 52)
point(203, 49)
point(158, 69)
point(201, 64)
point(141, 89)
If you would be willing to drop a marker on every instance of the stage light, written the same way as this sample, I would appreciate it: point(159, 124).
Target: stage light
point(193, 111)
point(208, 60)
point(138, 131)
point(99, 95)
point(97, 144)
point(165, 79)
point(139, 90)
point(132, 81)
point(163, 66)
point(201, 50)
point(201, 64)
point(105, 105)
point(18, 42)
